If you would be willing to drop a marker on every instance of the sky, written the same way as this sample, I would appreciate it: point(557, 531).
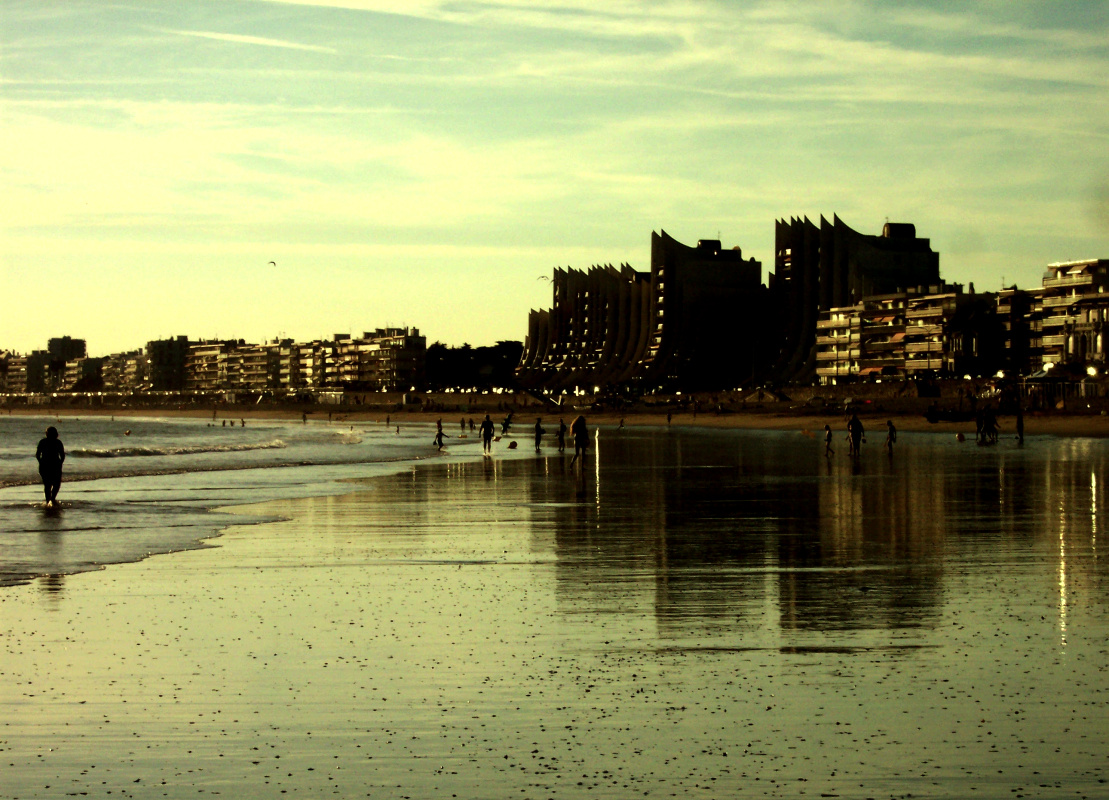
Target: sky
point(427, 163)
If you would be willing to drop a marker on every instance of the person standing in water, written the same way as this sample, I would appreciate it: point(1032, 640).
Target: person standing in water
point(828, 451)
point(539, 431)
point(561, 435)
point(487, 435)
point(855, 432)
point(581, 439)
point(891, 436)
point(50, 455)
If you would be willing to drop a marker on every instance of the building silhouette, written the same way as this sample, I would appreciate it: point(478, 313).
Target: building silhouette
point(688, 323)
point(830, 266)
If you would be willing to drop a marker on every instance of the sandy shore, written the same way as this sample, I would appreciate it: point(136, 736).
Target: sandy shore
point(509, 628)
point(1051, 423)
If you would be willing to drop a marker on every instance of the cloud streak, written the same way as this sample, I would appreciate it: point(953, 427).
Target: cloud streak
point(262, 41)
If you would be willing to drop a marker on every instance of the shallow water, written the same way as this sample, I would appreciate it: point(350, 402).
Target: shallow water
point(697, 614)
point(137, 487)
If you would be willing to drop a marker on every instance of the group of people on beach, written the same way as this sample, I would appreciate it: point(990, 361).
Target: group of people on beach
point(855, 437)
point(578, 429)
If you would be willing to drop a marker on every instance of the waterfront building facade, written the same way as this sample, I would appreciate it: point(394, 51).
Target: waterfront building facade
point(937, 330)
point(686, 323)
point(1074, 315)
point(831, 266)
point(13, 373)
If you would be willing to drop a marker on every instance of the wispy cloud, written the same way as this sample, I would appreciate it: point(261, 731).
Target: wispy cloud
point(236, 38)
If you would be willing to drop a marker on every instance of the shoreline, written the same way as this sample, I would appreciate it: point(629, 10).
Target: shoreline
point(1051, 423)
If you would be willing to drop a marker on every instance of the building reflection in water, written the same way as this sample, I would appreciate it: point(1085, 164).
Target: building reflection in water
point(718, 532)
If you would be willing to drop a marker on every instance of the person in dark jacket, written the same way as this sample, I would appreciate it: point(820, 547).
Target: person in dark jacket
point(581, 438)
point(50, 455)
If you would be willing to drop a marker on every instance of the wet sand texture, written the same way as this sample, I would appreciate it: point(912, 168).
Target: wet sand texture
point(691, 618)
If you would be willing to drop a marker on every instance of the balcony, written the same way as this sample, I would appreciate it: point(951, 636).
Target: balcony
point(831, 355)
point(919, 364)
point(924, 313)
point(924, 347)
point(1064, 300)
point(1059, 340)
point(1068, 280)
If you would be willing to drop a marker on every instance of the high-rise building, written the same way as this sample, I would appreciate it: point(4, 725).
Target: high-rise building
point(833, 266)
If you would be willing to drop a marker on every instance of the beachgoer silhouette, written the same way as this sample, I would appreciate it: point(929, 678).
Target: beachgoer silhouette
point(486, 435)
point(561, 435)
point(669, 417)
point(471, 424)
point(581, 439)
point(539, 431)
point(462, 425)
point(891, 436)
point(50, 455)
point(828, 441)
point(855, 431)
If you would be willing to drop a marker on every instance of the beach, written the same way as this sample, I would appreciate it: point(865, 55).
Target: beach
point(697, 613)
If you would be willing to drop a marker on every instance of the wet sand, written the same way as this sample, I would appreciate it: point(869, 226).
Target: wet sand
point(692, 616)
point(1051, 423)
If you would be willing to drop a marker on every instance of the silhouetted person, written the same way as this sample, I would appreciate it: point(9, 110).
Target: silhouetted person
point(539, 431)
point(828, 441)
point(50, 455)
point(486, 435)
point(462, 425)
point(855, 431)
point(581, 439)
point(891, 436)
point(561, 435)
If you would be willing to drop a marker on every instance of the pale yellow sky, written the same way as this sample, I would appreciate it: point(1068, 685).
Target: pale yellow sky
point(424, 163)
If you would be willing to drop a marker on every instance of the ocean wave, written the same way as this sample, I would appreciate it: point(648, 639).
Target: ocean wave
point(128, 452)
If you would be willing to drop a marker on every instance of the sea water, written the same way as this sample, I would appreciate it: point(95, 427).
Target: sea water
point(133, 487)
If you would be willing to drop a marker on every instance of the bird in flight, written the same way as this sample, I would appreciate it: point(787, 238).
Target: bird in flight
point(274, 263)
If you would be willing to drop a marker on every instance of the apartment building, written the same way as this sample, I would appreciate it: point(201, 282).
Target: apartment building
point(1073, 310)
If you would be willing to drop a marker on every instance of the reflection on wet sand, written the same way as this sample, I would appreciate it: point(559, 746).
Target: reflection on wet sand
point(693, 614)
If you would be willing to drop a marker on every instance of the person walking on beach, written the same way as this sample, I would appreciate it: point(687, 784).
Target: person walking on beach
point(439, 434)
point(561, 435)
point(891, 436)
point(462, 425)
point(828, 451)
point(539, 431)
point(487, 435)
point(50, 455)
point(581, 438)
point(855, 431)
